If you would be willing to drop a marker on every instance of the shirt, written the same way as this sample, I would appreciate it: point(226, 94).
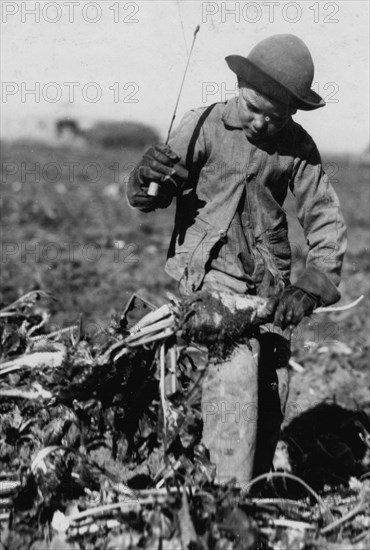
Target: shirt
point(234, 257)
point(222, 166)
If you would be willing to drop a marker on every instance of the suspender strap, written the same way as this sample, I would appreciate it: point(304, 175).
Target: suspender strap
point(195, 135)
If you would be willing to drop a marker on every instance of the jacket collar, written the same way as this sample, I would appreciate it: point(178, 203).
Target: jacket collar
point(230, 115)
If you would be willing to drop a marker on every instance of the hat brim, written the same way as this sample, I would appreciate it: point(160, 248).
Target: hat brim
point(270, 87)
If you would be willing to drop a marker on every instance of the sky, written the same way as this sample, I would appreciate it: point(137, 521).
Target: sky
point(122, 60)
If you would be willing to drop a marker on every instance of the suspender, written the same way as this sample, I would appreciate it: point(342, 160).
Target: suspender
point(194, 170)
point(195, 135)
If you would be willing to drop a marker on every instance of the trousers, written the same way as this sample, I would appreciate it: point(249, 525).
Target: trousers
point(244, 398)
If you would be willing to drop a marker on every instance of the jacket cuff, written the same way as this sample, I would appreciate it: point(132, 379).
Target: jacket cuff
point(316, 282)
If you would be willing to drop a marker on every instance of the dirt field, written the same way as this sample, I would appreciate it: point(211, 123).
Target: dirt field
point(68, 229)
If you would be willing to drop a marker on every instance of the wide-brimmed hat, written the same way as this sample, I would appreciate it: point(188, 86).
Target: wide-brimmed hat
point(281, 68)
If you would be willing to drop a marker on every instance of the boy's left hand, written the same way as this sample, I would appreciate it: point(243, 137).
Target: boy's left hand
point(294, 304)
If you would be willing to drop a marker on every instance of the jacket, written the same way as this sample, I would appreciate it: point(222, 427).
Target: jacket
point(224, 167)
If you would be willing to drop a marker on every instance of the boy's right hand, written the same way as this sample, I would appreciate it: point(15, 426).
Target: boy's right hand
point(157, 165)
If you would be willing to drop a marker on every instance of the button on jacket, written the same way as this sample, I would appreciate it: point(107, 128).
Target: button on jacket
point(227, 171)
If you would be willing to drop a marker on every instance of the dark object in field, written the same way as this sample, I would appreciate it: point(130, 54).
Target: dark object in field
point(110, 135)
point(122, 134)
point(328, 444)
point(68, 126)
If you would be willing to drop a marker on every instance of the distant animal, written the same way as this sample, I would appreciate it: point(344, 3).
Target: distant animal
point(69, 126)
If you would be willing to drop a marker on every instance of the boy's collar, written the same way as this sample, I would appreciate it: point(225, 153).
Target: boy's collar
point(230, 116)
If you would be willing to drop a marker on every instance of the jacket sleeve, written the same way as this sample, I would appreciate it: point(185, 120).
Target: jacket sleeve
point(137, 190)
point(320, 215)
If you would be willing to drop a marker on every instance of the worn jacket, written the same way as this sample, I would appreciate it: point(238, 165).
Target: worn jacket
point(224, 167)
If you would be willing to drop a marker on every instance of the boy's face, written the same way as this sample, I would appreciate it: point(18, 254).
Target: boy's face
point(261, 117)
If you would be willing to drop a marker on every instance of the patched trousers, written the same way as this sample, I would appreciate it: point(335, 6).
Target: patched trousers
point(243, 401)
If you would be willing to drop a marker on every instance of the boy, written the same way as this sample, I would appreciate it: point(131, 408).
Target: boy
point(229, 166)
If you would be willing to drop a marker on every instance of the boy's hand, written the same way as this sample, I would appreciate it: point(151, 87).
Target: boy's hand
point(294, 304)
point(157, 165)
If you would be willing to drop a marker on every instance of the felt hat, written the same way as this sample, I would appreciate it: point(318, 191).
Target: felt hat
point(281, 68)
